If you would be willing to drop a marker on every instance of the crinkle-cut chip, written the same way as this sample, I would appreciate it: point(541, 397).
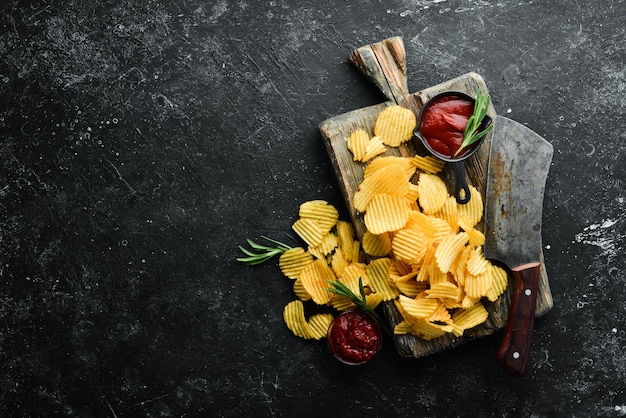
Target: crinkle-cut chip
point(293, 315)
point(309, 230)
point(428, 164)
point(378, 275)
point(341, 303)
point(319, 324)
point(292, 261)
point(387, 180)
point(355, 257)
point(395, 125)
point(411, 288)
point(477, 286)
point(418, 308)
point(436, 276)
point(338, 262)
point(472, 209)
point(432, 193)
point(421, 221)
point(413, 193)
point(386, 213)
point(300, 291)
point(401, 268)
point(345, 236)
point(315, 279)
point(328, 244)
point(449, 213)
point(459, 267)
point(429, 261)
point(428, 330)
point(470, 317)
point(317, 252)
point(477, 263)
point(386, 161)
point(374, 148)
point(441, 314)
point(409, 245)
point(476, 238)
point(376, 245)
point(442, 228)
point(499, 282)
point(325, 214)
point(403, 328)
point(448, 249)
point(444, 290)
point(468, 302)
point(357, 144)
point(351, 276)
point(374, 299)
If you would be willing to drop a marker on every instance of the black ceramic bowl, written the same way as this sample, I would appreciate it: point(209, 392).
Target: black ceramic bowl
point(458, 163)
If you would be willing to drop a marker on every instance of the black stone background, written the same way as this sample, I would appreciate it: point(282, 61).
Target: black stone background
point(141, 141)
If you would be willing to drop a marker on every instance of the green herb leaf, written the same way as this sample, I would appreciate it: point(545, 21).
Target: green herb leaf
point(261, 253)
point(470, 136)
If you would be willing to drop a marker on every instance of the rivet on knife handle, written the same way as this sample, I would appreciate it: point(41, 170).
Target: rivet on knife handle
point(515, 347)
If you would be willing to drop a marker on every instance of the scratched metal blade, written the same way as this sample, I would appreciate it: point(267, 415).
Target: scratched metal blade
point(519, 161)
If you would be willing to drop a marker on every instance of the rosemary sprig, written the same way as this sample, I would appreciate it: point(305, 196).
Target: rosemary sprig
point(360, 301)
point(261, 253)
point(470, 136)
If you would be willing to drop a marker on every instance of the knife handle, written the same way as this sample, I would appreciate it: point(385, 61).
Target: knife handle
point(514, 350)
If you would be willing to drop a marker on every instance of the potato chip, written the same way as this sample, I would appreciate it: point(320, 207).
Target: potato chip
point(357, 144)
point(429, 260)
point(374, 148)
point(473, 209)
point(376, 245)
point(292, 261)
point(469, 318)
point(374, 299)
point(477, 263)
point(395, 125)
point(341, 303)
point(383, 181)
point(300, 291)
point(325, 214)
point(499, 282)
point(378, 274)
point(441, 314)
point(338, 262)
point(352, 274)
point(386, 161)
point(418, 308)
point(386, 213)
point(411, 288)
point(428, 164)
point(443, 290)
point(477, 286)
point(345, 237)
point(413, 194)
point(409, 245)
point(459, 267)
point(449, 213)
point(450, 246)
point(319, 324)
point(432, 193)
point(327, 245)
point(429, 330)
point(442, 228)
point(315, 279)
point(403, 328)
point(309, 230)
point(293, 315)
point(420, 221)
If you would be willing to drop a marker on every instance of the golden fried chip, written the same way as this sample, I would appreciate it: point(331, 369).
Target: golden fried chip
point(477, 286)
point(395, 125)
point(374, 148)
point(376, 245)
point(357, 144)
point(309, 230)
point(327, 245)
point(374, 299)
point(319, 324)
point(387, 180)
point(429, 261)
point(469, 318)
point(325, 214)
point(345, 237)
point(473, 209)
point(411, 288)
point(441, 314)
point(429, 330)
point(432, 193)
point(477, 263)
point(315, 279)
point(292, 261)
point(293, 315)
point(338, 262)
point(386, 213)
point(428, 164)
point(417, 308)
point(378, 274)
point(449, 213)
point(499, 282)
point(300, 291)
point(341, 303)
point(420, 221)
point(409, 245)
point(444, 290)
point(448, 249)
point(352, 274)
point(386, 161)
point(442, 228)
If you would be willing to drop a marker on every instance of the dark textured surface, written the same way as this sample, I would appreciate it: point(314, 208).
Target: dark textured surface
point(142, 141)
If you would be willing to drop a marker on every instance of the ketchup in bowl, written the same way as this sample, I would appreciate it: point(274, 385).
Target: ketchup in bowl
point(443, 123)
point(354, 337)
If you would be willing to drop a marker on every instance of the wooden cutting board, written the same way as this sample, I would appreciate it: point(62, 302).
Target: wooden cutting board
point(385, 64)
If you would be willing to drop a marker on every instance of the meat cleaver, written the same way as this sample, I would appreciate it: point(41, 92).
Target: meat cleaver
point(519, 160)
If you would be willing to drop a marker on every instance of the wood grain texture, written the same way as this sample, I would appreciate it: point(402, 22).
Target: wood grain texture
point(390, 77)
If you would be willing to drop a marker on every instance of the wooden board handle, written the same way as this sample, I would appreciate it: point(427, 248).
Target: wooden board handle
point(385, 64)
point(515, 347)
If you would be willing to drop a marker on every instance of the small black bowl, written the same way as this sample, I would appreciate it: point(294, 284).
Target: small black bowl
point(458, 163)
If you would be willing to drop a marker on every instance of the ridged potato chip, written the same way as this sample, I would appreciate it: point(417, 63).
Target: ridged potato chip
point(444, 290)
point(383, 181)
point(325, 214)
point(428, 164)
point(432, 193)
point(378, 275)
point(376, 245)
point(409, 245)
point(381, 162)
point(448, 249)
point(319, 324)
point(292, 261)
point(499, 282)
point(417, 308)
point(477, 286)
point(357, 144)
point(473, 209)
point(395, 125)
point(315, 279)
point(309, 230)
point(386, 213)
point(477, 263)
point(300, 291)
point(374, 148)
point(469, 318)
point(293, 315)
point(449, 213)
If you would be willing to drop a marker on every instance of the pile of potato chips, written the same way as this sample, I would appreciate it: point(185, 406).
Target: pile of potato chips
point(421, 249)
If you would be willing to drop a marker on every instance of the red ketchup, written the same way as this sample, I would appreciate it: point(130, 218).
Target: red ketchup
point(443, 123)
point(354, 337)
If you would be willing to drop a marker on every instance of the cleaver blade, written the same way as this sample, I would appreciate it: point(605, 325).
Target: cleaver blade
point(519, 161)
